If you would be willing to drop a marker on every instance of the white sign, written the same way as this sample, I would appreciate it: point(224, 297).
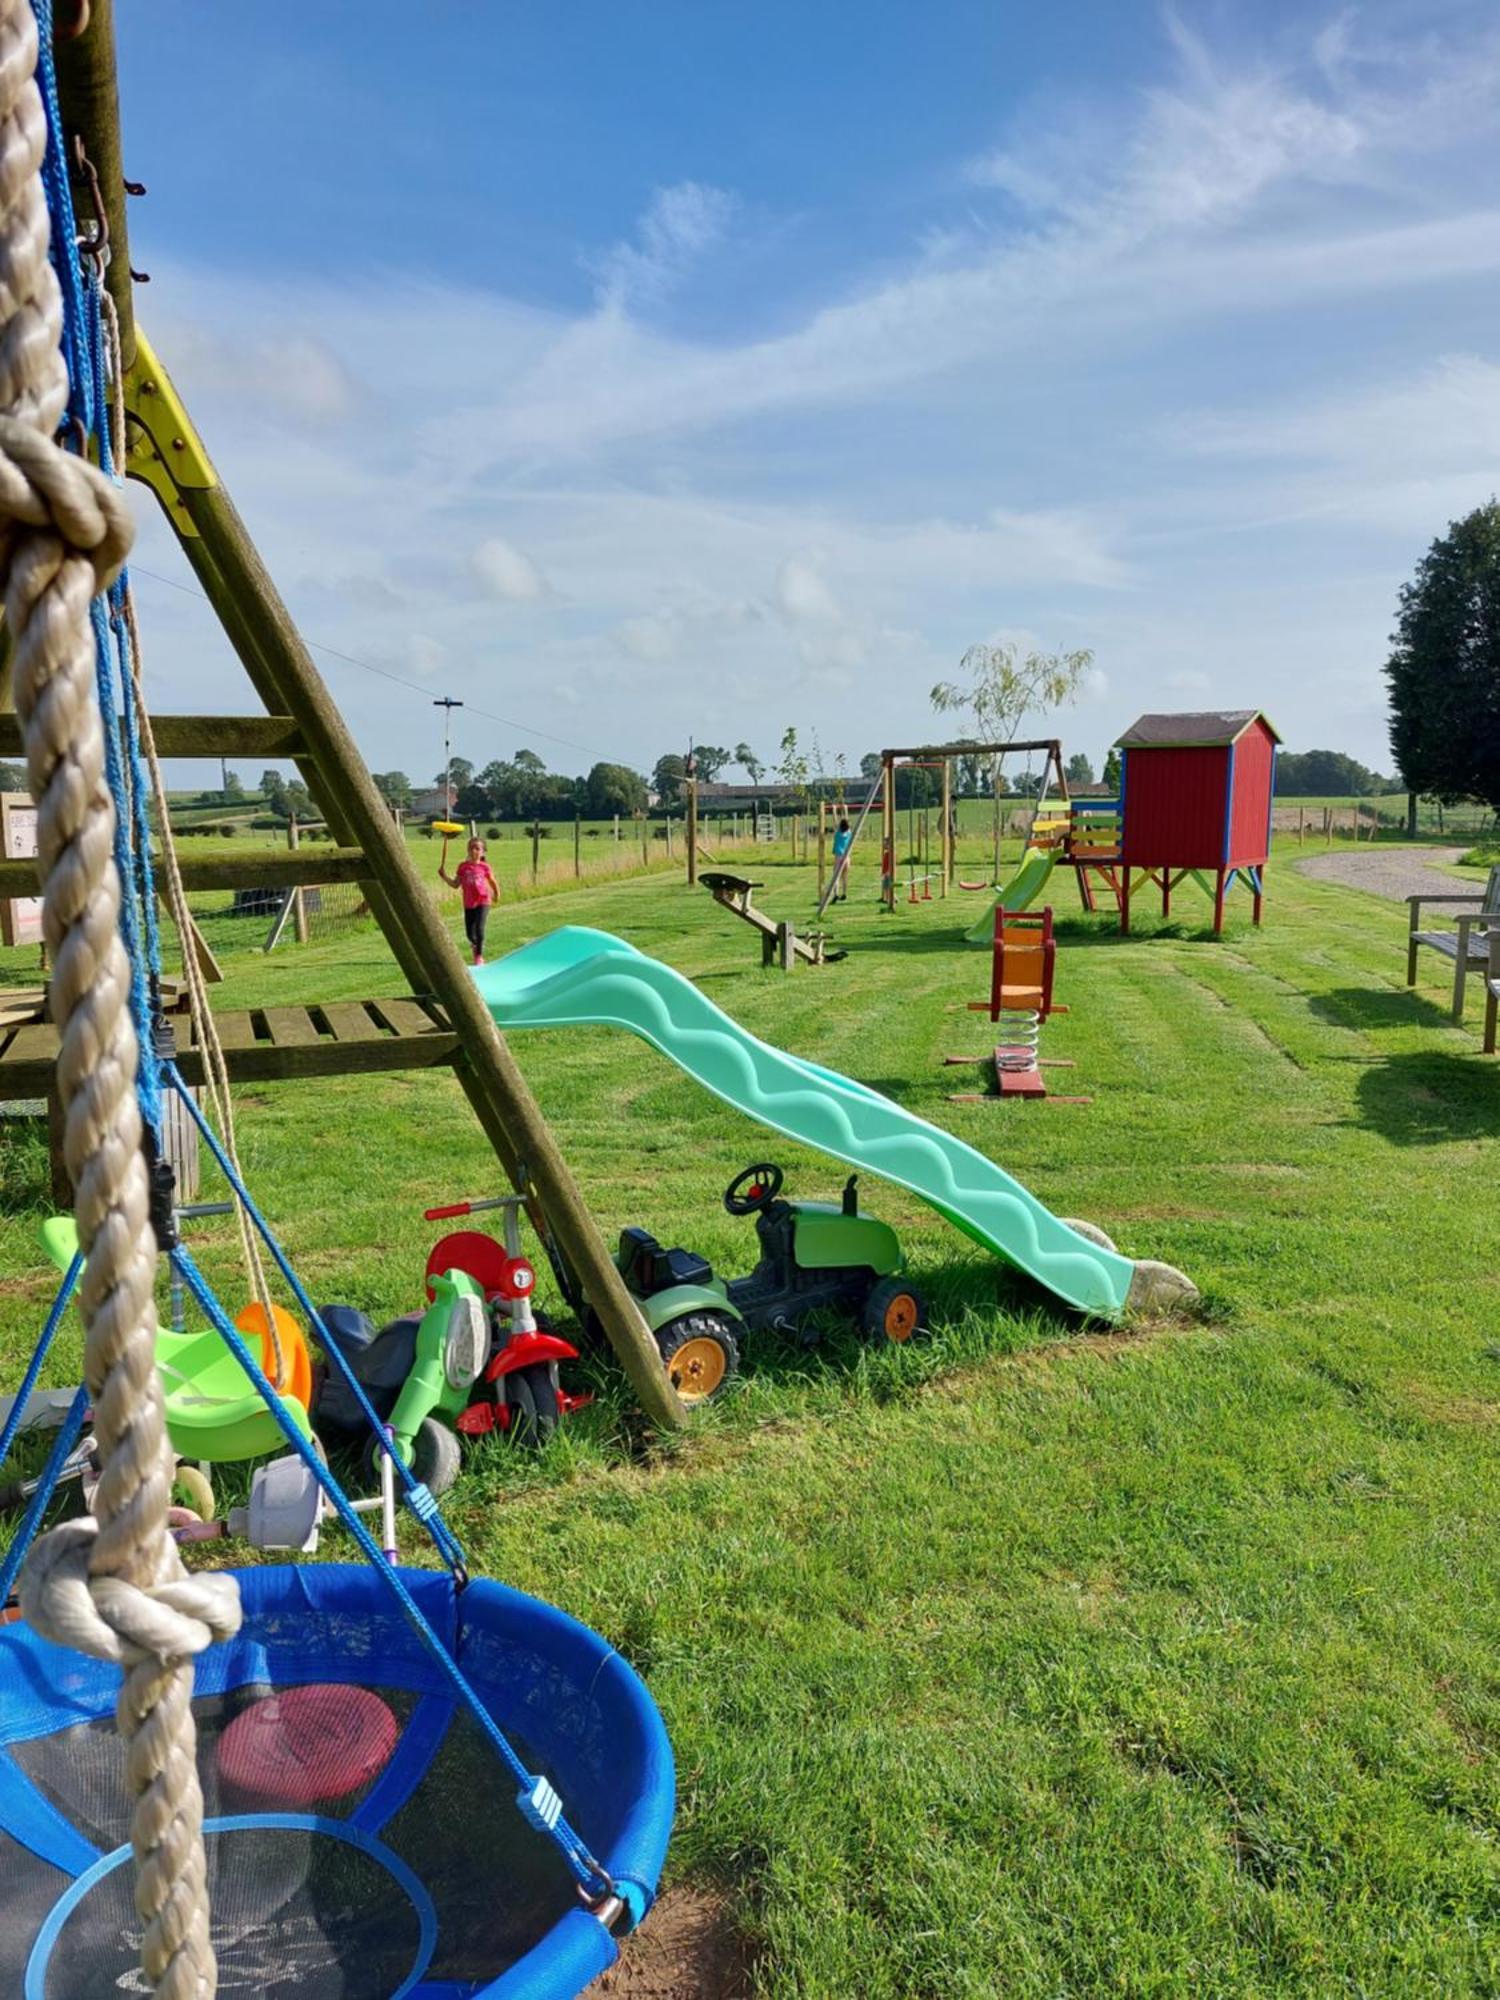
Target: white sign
point(20, 916)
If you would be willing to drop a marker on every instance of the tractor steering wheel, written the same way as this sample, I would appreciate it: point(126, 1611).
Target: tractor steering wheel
point(765, 1184)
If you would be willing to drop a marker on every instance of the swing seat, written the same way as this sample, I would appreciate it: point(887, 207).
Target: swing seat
point(214, 1411)
point(362, 1841)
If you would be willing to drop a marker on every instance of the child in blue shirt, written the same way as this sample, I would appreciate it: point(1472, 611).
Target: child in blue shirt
point(843, 840)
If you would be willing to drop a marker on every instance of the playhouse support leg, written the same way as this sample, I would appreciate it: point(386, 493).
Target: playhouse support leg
point(1259, 895)
point(1124, 902)
point(1166, 892)
point(1218, 901)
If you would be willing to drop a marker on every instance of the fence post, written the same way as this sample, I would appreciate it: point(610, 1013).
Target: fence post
point(577, 844)
point(299, 904)
point(536, 848)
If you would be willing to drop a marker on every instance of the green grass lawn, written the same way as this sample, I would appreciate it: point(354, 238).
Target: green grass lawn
point(1033, 1659)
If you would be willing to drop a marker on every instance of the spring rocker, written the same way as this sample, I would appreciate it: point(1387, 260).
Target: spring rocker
point(1020, 1000)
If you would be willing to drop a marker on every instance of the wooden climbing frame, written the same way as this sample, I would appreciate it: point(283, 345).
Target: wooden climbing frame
point(162, 449)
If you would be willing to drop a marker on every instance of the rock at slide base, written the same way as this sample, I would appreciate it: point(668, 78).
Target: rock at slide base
point(1159, 1288)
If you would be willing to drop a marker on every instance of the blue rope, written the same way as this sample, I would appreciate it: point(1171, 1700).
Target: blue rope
point(82, 407)
point(34, 1367)
point(67, 1437)
point(535, 1795)
point(84, 349)
point(443, 1539)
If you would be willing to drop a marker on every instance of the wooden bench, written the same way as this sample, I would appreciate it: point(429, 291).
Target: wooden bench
point(1468, 943)
point(1492, 992)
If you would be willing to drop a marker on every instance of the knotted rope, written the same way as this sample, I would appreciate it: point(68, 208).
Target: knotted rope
point(113, 1586)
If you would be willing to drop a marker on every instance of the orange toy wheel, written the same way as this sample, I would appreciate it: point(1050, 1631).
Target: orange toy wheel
point(894, 1311)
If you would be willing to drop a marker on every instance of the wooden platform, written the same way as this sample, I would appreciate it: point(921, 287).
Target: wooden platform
point(268, 1044)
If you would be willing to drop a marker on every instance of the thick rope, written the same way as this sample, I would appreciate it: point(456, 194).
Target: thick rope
point(113, 1586)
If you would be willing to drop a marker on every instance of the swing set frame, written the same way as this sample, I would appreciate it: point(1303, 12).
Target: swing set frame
point(944, 755)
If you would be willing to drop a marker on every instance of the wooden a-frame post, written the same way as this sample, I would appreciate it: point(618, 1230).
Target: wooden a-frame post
point(164, 451)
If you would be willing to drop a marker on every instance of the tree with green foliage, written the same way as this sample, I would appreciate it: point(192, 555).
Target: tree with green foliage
point(1080, 770)
point(296, 802)
point(614, 788)
point(1111, 773)
point(1444, 668)
point(794, 769)
point(709, 760)
point(12, 777)
point(273, 790)
point(457, 774)
point(473, 801)
point(748, 762)
point(1322, 774)
point(394, 787)
point(667, 777)
point(1000, 689)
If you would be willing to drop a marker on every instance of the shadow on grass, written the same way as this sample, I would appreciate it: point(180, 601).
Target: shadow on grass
point(1378, 1007)
point(1431, 1098)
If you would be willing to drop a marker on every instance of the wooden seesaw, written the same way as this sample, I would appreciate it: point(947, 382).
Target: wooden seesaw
point(779, 943)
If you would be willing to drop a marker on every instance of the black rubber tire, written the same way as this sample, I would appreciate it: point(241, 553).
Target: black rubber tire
point(436, 1457)
point(534, 1407)
point(893, 1303)
point(677, 1334)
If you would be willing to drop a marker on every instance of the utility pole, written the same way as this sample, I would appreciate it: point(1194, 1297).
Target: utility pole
point(447, 705)
point(691, 777)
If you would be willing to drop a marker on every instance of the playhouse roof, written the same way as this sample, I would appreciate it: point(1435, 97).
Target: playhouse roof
point(1199, 727)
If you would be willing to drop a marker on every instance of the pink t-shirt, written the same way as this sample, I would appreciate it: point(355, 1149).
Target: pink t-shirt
point(477, 884)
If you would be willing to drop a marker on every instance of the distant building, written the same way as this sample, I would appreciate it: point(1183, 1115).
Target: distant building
point(745, 795)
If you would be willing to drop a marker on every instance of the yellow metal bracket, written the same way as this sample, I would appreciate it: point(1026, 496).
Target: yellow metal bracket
point(163, 450)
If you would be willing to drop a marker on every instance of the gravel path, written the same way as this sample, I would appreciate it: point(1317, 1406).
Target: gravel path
point(1398, 875)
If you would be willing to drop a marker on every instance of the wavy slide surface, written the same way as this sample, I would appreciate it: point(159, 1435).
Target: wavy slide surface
point(1032, 876)
point(578, 977)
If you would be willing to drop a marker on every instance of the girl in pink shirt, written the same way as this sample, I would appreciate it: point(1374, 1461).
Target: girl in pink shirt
point(476, 879)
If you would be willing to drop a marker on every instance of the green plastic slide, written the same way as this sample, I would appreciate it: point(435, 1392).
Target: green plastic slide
point(1023, 888)
point(580, 977)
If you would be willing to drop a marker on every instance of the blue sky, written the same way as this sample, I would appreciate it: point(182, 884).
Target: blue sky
point(642, 371)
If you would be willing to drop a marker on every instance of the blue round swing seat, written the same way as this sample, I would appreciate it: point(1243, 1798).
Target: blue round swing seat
point(378, 1853)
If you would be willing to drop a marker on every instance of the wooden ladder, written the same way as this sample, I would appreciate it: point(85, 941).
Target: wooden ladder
point(443, 1020)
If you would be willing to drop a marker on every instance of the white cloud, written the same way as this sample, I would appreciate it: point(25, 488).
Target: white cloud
point(506, 572)
point(653, 637)
point(679, 226)
point(804, 596)
point(425, 655)
point(982, 430)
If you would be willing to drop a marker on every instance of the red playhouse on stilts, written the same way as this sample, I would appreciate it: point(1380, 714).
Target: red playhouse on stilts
point(1195, 799)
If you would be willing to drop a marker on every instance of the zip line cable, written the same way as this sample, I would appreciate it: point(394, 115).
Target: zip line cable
point(333, 653)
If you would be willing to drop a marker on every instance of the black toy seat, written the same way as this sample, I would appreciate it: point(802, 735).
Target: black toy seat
point(648, 1269)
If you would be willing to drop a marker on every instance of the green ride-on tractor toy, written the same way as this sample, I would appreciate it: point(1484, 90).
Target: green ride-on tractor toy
point(814, 1255)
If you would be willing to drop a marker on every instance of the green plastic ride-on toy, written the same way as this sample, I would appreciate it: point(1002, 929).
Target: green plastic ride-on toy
point(814, 1255)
